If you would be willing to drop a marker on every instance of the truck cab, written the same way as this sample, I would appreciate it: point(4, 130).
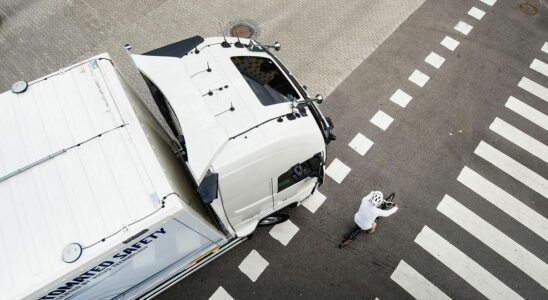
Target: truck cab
point(247, 132)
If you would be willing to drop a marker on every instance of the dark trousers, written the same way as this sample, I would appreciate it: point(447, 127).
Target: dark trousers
point(351, 235)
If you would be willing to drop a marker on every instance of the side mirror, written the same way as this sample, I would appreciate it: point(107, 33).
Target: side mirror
point(319, 98)
point(277, 46)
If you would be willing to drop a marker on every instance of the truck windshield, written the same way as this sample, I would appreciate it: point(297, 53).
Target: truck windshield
point(265, 79)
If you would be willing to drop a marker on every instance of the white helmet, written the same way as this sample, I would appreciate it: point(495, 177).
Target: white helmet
point(376, 198)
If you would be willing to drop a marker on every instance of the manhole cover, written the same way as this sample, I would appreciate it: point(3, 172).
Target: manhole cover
point(528, 9)
point(243, 28)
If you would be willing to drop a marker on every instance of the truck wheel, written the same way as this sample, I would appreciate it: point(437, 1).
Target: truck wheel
point(273, 219)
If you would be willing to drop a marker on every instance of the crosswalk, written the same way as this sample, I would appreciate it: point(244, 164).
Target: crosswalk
point(499, 198)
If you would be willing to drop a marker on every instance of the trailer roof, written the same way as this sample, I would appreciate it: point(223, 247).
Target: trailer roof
point(75, 167)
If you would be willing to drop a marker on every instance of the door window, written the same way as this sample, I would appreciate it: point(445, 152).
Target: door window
point(298, 172)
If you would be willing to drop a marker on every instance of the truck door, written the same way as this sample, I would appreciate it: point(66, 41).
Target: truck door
point(297, 183)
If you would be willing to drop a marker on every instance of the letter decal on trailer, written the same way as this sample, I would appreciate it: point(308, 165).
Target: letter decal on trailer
point(117, 259)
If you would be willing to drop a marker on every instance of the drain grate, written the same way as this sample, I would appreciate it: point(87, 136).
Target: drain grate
point(528, 9)
point(243, 28)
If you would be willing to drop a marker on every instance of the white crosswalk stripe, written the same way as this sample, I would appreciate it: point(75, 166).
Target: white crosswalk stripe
point(476, 13)
point(483, 281)
point(284, 232)
point(520, 138)
point(361, 144)
point(495, 239)
point(544, 47)
point(505, 202)
point(533, 88)
point(513, 168)
point(419, 78)
point(539, 66)
point(435, 60)
point(253, 265)
point(450, 43)
point(415, 284)
point(314, 201)
point(489, 2)
point(463, 27)
point(401, 98)
point(337, 170)
point(382, 120)
point(221, 294)
point(527, 112)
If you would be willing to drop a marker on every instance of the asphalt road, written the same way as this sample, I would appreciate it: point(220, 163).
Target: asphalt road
point(419, 156)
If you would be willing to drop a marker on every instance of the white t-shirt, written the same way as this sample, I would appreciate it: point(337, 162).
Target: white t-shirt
point(367, 214)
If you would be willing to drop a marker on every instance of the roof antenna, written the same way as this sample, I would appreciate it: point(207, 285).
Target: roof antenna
point(238, 44)
point(196, 51)
point(224, 44)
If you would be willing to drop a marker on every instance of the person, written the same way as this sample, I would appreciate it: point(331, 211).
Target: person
point(370, 210)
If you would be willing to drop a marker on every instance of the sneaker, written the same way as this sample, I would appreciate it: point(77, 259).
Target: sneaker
point(373, 227)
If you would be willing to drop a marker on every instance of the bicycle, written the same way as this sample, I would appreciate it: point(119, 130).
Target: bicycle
point(387, 203)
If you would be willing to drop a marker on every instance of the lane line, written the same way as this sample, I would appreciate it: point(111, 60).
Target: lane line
point(401, 98)
point(314, 201)
point(495, 239)
point(337, 170)
point(544, 47)
point(527, 112)
point(415, 284)
point(450, 43)
point(476, 13)
point(505, 202)
point(361, 144)
point(284, 232)
point(534, 88)
point(253, 265)
point(463, 27)
point(221, 294)
point(419, 78)
point(520, 138)
point(382, 120)
point(489, 2)
point(539, 66)
point(483, 281)
point(513, 168)
point(434, 60)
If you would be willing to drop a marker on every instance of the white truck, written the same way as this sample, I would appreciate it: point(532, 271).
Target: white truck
point(98, 200)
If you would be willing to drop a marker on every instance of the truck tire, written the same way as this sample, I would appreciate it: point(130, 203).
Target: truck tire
point(273, 219)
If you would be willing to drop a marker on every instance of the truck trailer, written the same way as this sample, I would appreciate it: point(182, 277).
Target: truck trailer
point(103, 198)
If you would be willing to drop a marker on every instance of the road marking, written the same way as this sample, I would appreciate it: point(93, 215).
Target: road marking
point(361, 144)
point(520, 138)
point(253, 265)
point(539, 66)
point(314, 202)
point(464, 266)
point(382, 120)
point(401, 98)
point(415, 284)
point(513, 168)
point(419, 78)
point(476, 13)
point(544, 47)
point(489, 2)
point(495, 239)
point(527, 112)
point(221, 294)
point(337, 170)
point(450, 43)
point(434, 60)
point(505, 202)
point(533, 88)
point(284, 232)
point(463, 27)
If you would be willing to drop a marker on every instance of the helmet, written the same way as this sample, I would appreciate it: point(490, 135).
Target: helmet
point(375, 198)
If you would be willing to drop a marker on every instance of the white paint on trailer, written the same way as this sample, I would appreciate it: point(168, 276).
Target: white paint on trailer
point(284, 232)
point(539, 66)
point(314, 202)
point(513, 168)
point(489, 2)
point(450, 43)
point(253, 265)
point(415, 284)
point(520, 138)
point(382, 120)
point(527, 112)
point(476, 13)
point(544, 47)
point(534, 88)
point(505, 202)
point(463, 27)
point(456, 260)
point(495, 239)
point(401, 98)
point(221, 294)
point(337, 170)
point(419, 78)
point(361, 144)
point(434, 60)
